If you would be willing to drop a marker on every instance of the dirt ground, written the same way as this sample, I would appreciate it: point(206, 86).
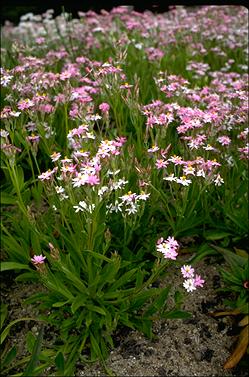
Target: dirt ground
point(198, 346)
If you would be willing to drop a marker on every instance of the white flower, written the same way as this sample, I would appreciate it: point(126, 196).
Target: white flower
point(91, 208)
point(218, 180)
point(129, 197)
point(15, 113)
point(119, 184)
point(170, 178)
point(131, 209)
point(80, 180)
point(183, 181)
point(109, 172)
point(189, 285)
point(5, 79)
point(209, 148)
point(189, 170)
point(143, 196)
point(102, 190)
point(59, 189)
point(81, 207)
point(116, 207)
point(200, 173)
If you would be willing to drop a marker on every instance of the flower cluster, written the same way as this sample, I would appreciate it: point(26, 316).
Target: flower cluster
point(168, 247)
point(192, 281)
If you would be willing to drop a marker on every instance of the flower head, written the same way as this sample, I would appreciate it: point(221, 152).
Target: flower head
point(187, 271)
point(38, 259)
point(189, 285)
point(168, 247)
point(198, 281)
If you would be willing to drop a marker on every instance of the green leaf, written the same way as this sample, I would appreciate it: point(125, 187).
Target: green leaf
point(124, 279)
point(5, 266)
point(7, 329)
point(233, 259)
point(96, 309)
point(7, 199)
point(242, 253)
point(20, 177)
point(28, 276)
point(213, 235)
point(78, 283)
point(30, 341)
point(60, 362)
point(95, 346)
point(158, 303)
point(89, 319)
point(8, 358)
point(29, 370)
point(202, 252)
point(36, 242)
point(141, 298)
point(77, 303)
point(140, 278)
point(144, 325)
point(3, 314)
point(60, 304)
point(124, 318)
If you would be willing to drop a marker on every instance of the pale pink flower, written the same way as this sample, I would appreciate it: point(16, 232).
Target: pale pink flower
point(224, 140)
point(161, 164)
point(38, 259)
point(187, 271)
point(25, 104)
point(189, 170)
point(48, 174)
point(55, 156)
point(153, 149)
point(92, 180)
point(168, 247)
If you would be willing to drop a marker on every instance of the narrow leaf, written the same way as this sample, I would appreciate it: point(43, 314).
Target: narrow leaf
point(5, 266)
point(240, 349)
point(35, 355)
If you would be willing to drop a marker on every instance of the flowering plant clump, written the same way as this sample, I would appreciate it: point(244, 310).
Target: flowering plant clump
point(117, 127)
point(192, 282)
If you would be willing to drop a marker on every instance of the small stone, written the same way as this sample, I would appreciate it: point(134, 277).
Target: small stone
point(207, 355)
point(161, 371)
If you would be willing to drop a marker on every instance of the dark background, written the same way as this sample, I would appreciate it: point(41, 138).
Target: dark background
point(12, 9)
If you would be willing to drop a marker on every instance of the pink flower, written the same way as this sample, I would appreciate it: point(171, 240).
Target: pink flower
point(224, 140)
point(161, 164)
point(104, 107)
point(198, 281)
point(38, 259)
point(187, 271)
point(153, 149)
point(92, 180)
point(168, 247)
point(47, 175)
point(25, 104)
